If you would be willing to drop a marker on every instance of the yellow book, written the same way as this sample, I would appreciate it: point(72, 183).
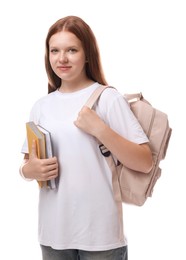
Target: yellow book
point(33, 133)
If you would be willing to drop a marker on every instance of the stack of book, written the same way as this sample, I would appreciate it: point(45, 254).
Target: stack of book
point(44, 149)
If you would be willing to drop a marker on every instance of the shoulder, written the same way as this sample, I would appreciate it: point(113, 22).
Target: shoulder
point(43, 102)
point(44, 99)
point(111, 96)
point(111, 91)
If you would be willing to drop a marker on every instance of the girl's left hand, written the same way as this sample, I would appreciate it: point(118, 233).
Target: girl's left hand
point(89, 121)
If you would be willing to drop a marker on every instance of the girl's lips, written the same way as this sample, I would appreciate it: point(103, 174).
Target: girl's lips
point(64, 68)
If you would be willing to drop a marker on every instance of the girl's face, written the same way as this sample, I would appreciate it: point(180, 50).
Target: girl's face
point(67, 57)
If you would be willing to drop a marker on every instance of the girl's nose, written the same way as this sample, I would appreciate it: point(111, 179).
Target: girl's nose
point(63, 57)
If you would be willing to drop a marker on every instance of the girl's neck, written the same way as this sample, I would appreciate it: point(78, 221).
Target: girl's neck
point(68, 87)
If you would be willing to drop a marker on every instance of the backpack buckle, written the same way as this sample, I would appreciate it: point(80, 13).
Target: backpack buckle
point(105, 152)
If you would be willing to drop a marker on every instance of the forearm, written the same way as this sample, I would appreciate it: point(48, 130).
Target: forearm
point(132, 155)
point(21, 171)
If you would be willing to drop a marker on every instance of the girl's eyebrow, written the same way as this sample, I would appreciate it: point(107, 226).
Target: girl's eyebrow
point(67, 47)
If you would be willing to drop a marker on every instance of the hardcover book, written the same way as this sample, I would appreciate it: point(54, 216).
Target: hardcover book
point(49, 153)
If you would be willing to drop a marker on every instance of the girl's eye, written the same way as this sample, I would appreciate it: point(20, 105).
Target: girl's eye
point(72, 50)
point(53, 50)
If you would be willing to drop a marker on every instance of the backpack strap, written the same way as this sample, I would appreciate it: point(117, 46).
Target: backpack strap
point(107, 154)
point(95, 96)
point(135, 97)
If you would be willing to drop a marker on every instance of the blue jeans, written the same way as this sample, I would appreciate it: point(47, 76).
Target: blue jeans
point(49, 253)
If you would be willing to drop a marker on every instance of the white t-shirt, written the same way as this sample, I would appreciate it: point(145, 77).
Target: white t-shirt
point(81, 213)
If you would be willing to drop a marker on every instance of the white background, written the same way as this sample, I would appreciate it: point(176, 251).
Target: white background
point(143, 48)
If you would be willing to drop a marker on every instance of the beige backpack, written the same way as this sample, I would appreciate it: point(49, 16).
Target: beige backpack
point(131, 186)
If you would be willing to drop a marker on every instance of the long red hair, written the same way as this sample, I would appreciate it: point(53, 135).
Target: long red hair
point(84, 33)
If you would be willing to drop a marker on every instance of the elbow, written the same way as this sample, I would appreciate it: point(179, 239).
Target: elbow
point(148, 160)
point(148, 168)
point(148, 165)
